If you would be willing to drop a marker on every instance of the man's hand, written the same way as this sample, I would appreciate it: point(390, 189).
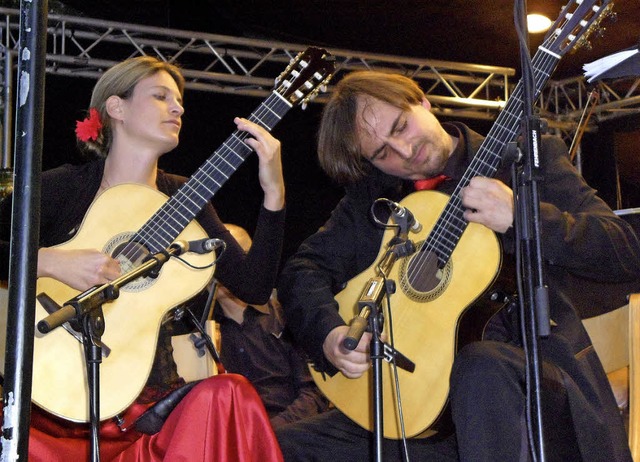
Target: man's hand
point(489, 202)
point(351, 363)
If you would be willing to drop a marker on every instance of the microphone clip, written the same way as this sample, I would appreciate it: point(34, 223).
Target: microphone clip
point(404, 219)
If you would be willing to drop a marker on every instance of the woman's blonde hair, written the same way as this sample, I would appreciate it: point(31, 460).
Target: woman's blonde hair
point(120, 80)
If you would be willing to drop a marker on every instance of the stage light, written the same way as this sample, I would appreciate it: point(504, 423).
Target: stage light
point(537, 23)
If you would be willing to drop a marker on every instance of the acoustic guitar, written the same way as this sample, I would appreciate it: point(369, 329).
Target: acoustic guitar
point(454, 267)
point(129, 222)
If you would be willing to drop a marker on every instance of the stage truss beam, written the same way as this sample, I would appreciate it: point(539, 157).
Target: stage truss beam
point(85, 47)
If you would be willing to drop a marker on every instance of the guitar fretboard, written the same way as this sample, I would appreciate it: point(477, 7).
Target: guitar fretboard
point(169, 221)
point(451, 224)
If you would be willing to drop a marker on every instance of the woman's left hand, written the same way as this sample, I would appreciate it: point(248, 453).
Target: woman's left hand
point(269, 162)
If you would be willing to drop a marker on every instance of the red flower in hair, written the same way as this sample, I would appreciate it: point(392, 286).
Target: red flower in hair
point(89, 128)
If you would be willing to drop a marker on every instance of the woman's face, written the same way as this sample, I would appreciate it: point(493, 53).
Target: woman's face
point(152, 116)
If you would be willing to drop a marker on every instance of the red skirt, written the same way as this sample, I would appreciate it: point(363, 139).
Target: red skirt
point(221, 419)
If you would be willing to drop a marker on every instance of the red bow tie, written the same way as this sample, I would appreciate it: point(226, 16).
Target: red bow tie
point(429, 183)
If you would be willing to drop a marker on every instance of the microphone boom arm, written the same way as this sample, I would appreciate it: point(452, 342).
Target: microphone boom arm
point(96, 296)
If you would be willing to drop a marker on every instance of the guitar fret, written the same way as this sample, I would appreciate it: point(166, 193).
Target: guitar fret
point(448, 239)
point(189, 198)
point(213, 180)
point(209, 171)
point(260, 122)
point(176, 218)
point(541, 72)
point(240, 140)
point(446, 247)
point(274, 113)
point(196, 190)
point(209, 168)
point(488, 166)
point(182, 200)
point(226, 162)
point(160, 241)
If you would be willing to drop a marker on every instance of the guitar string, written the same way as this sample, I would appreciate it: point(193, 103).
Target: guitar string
point(451, 216)
point(159, 220)
point(213, 164)
point(173, 211)
point(546, 67)
point(238, 139)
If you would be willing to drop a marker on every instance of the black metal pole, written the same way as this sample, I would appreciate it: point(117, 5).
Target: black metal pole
point(534, 308)
point(24, 229)
point(377, 356)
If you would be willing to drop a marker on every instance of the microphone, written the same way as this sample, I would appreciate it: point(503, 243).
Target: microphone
point(200, 246)
point(402, 213)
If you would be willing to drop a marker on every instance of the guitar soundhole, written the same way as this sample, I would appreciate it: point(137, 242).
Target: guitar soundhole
point(421, 279)
point(129, 254)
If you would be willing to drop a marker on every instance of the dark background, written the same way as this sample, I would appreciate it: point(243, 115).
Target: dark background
point(473, 31)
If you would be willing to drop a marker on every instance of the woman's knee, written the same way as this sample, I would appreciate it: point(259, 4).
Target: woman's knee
point(228, 386)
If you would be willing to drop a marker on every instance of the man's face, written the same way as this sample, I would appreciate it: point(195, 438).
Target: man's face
point(408, 144)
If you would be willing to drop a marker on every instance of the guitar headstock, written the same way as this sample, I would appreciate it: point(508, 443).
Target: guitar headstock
point(577, 20)
point(306, 75)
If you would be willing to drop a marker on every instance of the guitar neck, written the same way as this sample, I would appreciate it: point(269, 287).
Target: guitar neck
point(169, 221)
point(449, 228)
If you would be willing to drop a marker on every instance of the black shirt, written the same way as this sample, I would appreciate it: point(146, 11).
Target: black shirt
point(260, 349)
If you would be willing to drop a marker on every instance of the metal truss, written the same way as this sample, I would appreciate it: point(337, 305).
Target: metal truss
point(569, 101)
point(84, 47)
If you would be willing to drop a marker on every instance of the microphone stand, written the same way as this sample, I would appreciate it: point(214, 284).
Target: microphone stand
point(84, 313)
point(371, 315)
point(534, 302)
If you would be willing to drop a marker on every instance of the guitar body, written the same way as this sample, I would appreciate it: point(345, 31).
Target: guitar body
point(425, 325)
point(132, 320)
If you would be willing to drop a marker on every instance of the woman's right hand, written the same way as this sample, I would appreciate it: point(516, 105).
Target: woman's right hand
point(80, 269)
